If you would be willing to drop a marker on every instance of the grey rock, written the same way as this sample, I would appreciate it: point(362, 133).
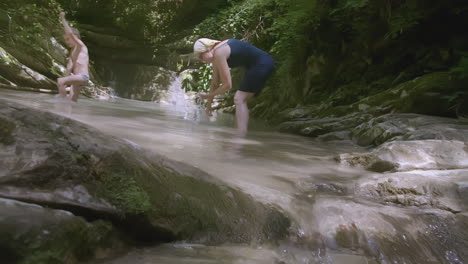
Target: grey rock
point(391, 127)
point(412, 155)
point(423, 189)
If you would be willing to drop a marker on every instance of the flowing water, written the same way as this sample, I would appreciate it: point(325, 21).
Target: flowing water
point(295, 173)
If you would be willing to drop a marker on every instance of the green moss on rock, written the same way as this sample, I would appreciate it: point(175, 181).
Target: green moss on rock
point(7, 129)
point(122, 191)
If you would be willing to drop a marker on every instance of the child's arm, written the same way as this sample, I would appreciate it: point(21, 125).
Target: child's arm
point(77, 40)
point(69, 66)
point(69, 30)
point(66, 26)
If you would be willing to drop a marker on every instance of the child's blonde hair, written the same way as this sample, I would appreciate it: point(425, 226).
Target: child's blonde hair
point(76, 32)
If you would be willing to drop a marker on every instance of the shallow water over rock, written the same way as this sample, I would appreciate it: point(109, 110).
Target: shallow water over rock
point(340, 214)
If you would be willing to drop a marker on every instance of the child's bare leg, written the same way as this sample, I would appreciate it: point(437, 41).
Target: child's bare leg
point(76, 88)
point(61, 86)
point(70, 91)
point(69, 80)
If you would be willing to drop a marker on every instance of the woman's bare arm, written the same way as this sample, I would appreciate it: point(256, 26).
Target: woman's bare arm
point(221, 66)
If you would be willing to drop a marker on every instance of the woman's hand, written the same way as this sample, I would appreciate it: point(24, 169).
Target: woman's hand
point(208, 109)
point(208, 104)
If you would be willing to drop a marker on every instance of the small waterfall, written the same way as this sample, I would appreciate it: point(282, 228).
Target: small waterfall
point(179, 101)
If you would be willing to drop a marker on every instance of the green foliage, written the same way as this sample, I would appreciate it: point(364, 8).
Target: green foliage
point(459, 99)
point(403, 21)
point(290, 27)
point(331, 52)
point(460, 71)
point(155, 21)
point(188, 83)
point(204, 77)
point(242, 20)
point(28, 20)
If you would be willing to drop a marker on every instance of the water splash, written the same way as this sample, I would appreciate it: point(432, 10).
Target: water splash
point(179, 101)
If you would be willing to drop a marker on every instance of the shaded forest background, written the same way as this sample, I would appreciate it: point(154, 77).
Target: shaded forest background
point(333, 57)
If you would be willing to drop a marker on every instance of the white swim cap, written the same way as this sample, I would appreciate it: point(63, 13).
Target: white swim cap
point(204, 45)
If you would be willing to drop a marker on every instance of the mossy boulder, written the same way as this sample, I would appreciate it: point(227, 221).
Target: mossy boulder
point(15, 72)
point(427, 94)
point(406, 111)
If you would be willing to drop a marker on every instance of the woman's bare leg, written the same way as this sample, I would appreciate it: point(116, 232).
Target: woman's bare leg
point(242, 111)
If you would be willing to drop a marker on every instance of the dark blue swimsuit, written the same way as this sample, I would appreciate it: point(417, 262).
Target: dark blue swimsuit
point(258, 63)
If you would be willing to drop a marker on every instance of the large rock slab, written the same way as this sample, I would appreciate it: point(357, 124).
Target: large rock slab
point(53, 161)
point(19, 74)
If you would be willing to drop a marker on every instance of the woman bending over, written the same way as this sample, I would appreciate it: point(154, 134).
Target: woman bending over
point(232, 53)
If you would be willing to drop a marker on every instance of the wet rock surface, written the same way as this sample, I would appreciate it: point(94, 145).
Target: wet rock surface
point(51, 161)
point(412, 155)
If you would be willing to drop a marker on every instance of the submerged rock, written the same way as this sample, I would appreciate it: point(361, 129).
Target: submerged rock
point(53, 161)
